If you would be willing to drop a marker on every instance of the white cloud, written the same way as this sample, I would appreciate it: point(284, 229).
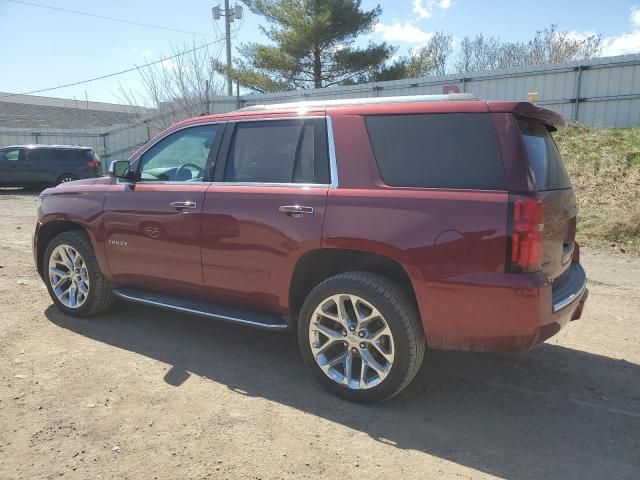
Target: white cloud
point(402, 32)
point(635, 16)
point(625, 42)
point(421, 9)
point(622, 44)
point(424, 8)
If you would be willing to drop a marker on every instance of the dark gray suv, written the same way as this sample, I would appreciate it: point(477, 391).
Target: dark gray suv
point(46, 165)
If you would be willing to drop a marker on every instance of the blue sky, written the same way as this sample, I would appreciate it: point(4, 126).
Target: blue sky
point(41, 48)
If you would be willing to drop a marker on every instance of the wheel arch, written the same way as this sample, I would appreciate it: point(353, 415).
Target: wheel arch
point(47, 232)
point(318, 265)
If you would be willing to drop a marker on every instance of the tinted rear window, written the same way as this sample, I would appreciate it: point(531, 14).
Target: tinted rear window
point(546, 164)
point(449, 150)
point(68, 155)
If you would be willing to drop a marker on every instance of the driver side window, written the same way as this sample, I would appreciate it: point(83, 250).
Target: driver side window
point(180, 157)
point(10, 155)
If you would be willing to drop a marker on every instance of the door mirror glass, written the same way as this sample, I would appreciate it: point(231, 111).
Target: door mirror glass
point(119, 169)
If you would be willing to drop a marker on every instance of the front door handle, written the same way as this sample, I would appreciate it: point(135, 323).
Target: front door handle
point(295, 210)
point(183, 205)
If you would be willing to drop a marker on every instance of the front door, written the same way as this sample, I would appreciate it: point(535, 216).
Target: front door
point(265, 210)
point(10, 166)
point(153, 225)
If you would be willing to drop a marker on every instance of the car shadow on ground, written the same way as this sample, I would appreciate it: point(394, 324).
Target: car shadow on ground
point(23, 192)
point(551, 413)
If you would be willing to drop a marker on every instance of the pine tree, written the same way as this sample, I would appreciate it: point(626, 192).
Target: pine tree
point(313, 45)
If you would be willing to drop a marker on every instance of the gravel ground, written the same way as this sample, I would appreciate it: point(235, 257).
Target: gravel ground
point(144, 393)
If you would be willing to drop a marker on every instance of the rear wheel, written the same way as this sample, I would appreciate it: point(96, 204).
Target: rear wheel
point(72, 276)
point(66, 177)
point(360, 336)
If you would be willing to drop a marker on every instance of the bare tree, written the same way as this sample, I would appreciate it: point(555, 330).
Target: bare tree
point(429, 59)
point(551, 46)
point(179, 87)
point(437, 51)
point(548, 46)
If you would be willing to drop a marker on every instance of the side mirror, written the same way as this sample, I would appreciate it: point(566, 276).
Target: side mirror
point(119, 169)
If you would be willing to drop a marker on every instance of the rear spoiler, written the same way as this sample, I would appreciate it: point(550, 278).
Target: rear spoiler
point(551, 119)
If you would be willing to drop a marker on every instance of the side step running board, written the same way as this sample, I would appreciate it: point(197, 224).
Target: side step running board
point(267, 321)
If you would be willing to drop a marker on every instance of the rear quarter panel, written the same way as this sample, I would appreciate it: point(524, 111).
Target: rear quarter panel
point(450, 243)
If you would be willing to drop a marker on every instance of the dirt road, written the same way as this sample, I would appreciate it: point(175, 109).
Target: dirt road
point(143, 393)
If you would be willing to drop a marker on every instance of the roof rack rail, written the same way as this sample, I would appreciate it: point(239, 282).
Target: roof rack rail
point(46, 145)
point(307, 104)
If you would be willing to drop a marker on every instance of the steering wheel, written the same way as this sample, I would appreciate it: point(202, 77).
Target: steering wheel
point(181, 171)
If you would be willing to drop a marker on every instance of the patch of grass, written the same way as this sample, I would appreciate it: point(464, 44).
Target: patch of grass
point(604, 166)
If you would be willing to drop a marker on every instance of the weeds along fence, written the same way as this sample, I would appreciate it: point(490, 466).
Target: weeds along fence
point(603, 92)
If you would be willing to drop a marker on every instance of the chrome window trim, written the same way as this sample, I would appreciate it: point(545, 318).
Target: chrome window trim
point(333, 167)
point(270, 119)
point(272, 184)
point(333, 162)
point(120, 181)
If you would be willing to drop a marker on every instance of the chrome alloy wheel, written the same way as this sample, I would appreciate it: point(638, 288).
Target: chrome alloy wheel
point(351, 341)
point(68, 276)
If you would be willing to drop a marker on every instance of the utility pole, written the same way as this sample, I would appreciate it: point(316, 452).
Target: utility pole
point(227, 31)
point(229, 14)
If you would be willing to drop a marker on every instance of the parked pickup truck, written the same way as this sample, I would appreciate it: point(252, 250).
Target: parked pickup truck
point(374, 227)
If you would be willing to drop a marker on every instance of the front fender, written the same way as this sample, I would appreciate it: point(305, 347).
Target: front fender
point(77, 205)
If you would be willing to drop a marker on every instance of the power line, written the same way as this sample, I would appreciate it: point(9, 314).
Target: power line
point(109, 75)
point(104, 17)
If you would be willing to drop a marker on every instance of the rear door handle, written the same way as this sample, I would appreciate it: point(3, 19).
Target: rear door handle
point(295, 210)
point(183, 205)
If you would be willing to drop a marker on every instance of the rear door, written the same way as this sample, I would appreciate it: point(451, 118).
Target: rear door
point(265, 209)
point(559, 206)
point(152, 226)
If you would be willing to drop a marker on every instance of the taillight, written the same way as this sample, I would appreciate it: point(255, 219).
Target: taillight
point(526, 234)
point(93, 164)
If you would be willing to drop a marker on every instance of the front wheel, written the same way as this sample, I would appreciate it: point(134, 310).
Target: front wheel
point(73, 278)
point(360, 336)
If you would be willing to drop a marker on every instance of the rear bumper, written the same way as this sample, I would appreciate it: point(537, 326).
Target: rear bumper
point(568, 300)
point(566, 292)
point(500, 312)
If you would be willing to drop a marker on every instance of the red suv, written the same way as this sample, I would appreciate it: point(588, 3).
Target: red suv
point(374, 227)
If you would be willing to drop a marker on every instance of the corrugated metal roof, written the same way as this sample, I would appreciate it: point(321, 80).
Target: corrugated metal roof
point(19, 115)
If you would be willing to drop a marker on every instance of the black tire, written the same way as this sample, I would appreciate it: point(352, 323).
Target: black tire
point(100, 296)
point(66, 177)
point(401, 316)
